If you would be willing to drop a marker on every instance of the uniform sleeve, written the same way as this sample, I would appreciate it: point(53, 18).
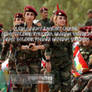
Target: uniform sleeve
point(89, 23)
point(4, 51)
point(90, 62)
point(70, 46)
point(48, 46)
point(70, 50)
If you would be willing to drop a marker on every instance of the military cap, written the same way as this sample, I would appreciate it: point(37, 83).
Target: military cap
point(61, 13)
point(1, 27)
point(30, 9)
point(87, 29)
point(18, 15)
point(43, 9)
point(89, 11)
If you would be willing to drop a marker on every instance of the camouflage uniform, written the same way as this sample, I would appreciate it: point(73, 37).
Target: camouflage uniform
point(28, 62)
point(86, 52)
point(1, 41)
point(0, 47)
point(46, 23)
point(61, 61)
point(89, 22)
point(8, 52)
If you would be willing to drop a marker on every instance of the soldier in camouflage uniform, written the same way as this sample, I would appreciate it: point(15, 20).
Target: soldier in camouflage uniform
point(45, 21)
point(86, 52)
point(61, 58)
point(9, 49)
point(18, 20)
point(1, 29)
point(28, 56)
point(3, 50)
point(89, 21)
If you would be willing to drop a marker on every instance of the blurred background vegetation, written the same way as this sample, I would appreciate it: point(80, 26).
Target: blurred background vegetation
point(75, 9)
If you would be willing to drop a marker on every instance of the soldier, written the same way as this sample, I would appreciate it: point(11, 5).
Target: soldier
point(89, 21)
point(1, 30)
point(2, 44)
point(9, 49)
point(61, 57)
point(28, 56)
point(86, 52)
point(45, 21)
point(18, 20)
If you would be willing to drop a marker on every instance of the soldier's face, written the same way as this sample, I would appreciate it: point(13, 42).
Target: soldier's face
point(90, 15)
point(85, 42)
point(18, 21)
point(44, 14)
point(61, 21)
point(29, 16)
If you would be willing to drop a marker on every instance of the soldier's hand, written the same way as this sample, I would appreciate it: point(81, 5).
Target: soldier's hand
point(47, 57)
point(24, 47)
point(85, 70)
point(31, 44)
point(48, 66)
point(43, 69)
point(4, 42)
point(14, 35)
point(41, 47)
point(90, 70)
point(37, 47)
point(34, 48)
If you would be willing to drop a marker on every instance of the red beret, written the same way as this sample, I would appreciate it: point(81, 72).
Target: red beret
point(60, 13)
point(89, 28)
point(18, 15)
point(43, 9)
point(1, 25)
point(30, 9)
point(0, 31)
point(85, 29)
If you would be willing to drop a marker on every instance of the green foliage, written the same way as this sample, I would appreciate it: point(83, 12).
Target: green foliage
point(75, 9)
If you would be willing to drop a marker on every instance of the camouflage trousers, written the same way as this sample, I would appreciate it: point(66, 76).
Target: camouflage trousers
point(84, 84)
point(34, 69)
point(31, 67)
point(62, 80)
